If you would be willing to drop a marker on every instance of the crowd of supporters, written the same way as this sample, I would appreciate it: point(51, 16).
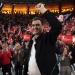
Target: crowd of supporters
point(15, 33)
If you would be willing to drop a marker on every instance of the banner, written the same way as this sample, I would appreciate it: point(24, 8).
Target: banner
point(66, 39)
point(60, 36)
point(26, 37)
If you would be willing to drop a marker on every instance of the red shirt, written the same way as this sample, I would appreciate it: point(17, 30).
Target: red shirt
point(5, 57)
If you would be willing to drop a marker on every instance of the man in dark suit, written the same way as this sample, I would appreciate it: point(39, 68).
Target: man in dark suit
point(42, 59)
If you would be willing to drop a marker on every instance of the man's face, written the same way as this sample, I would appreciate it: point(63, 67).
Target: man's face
point(37, 27)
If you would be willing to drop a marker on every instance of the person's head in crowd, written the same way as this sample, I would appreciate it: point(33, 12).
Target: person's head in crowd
point(73, 44)
point(22, 43)
point(11, 43)
point(65, 50)
point(17, 46)
point(37, 26)
point(26, 43)
point(4, 46)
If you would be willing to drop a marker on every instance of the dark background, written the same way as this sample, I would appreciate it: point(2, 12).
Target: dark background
point(30, 0)
point(35, 0)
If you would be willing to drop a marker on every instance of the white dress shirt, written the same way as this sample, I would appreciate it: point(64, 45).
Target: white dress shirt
point(32, 65)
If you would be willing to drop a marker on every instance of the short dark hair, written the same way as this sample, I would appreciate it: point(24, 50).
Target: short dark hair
point(38, 18)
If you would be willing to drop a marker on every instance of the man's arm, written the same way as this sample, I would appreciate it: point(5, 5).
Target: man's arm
point(53, 21)
point(55, 26)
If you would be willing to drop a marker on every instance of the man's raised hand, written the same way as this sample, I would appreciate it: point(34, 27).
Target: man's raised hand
point(40, 7)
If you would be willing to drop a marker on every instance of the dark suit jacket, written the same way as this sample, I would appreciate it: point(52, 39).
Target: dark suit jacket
point(45, 47)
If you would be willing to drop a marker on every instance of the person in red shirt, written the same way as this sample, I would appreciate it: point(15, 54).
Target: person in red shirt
point(5, 56)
